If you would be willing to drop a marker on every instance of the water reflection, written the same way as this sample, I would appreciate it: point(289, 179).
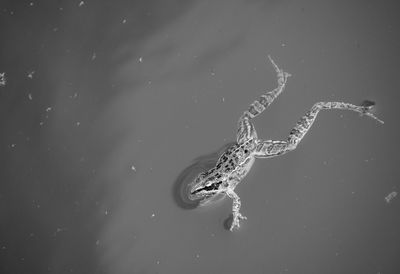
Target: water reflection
point(182, 183)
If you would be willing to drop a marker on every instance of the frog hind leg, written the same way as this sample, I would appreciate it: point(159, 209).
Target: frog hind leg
point(246, 129)
point(268, 148)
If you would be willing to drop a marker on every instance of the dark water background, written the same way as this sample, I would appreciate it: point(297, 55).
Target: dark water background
point(110, 107)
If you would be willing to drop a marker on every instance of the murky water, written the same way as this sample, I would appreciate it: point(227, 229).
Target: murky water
point(110, 108)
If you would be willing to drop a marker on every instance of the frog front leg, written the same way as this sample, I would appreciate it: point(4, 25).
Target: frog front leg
point(237, 216)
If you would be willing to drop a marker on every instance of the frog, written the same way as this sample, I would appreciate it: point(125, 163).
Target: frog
point(234, 164)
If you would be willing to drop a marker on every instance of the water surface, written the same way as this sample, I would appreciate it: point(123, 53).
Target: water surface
point(111, 107)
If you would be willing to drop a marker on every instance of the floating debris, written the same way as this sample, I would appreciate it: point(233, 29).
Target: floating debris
point(124, 21)
point(30, 96)
point(58, 230)
point(390, 196)
point(2, 79)
point(48, 109)
point(81, 4)
point(133, 168)
point(74, 96)
point(93, 56)
point(30, 74)
point(140, 59)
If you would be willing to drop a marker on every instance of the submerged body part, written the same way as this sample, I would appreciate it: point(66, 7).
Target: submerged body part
point(234, 164)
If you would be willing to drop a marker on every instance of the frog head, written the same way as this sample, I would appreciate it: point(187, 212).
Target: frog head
point(208, 187)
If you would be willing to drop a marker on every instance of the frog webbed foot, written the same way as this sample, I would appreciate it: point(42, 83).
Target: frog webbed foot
point(236, 220)
point(236, 215)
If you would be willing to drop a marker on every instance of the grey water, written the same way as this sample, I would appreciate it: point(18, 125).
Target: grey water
point(108, 110)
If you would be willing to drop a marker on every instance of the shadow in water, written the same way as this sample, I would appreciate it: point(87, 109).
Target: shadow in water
point(180, 187)
point(228, 222)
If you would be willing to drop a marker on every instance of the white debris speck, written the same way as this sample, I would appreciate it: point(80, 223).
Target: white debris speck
point(158, 262)
point(153, 215)
point(124, 21)
point(2, 79)
point(133, 168)
point(390, 196)
point(223, 99)
point(93, 56)
point(30, 96)
point(78, 124)
point(197, 256)
point(13, 145)
point(81, 3)
point(106, 212)
point(283, 44)
point(58, 230)
point(41, 123)
point(48, 109)
point(140, 59)
point(30, 74)
point(74, 96)
point(97, 242)
point(61, 8)
point(31, 4)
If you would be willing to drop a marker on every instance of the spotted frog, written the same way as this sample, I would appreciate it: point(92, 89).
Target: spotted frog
point(234, 164)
